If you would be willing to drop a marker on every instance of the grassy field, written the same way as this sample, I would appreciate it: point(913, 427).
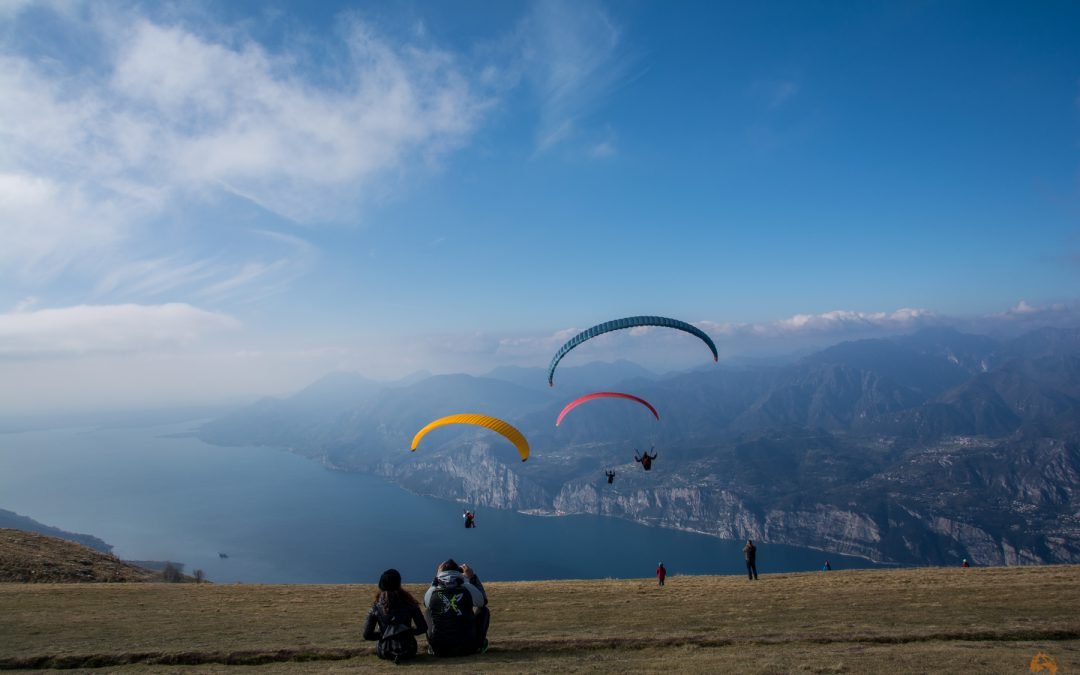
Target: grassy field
point(991, 620)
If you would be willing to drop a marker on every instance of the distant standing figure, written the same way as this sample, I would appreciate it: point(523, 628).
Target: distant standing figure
point(750, 553)
point(470, 519)
point(661, 573)
point(965, 564)
point(610, 477)
point(827, 567)
point(645, 459)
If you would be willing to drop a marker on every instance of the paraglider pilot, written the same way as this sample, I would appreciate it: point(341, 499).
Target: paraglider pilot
point(645, 459)
point(610, 476)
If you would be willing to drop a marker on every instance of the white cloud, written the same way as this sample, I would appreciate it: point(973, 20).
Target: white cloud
point(89, 329)
point(837, 322)
point(571, 59)
point(603, 150)
point(45, 225)
point(91, 153)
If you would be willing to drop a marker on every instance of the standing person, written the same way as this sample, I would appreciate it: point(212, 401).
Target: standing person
point(965, 564)
point(397, 615)
point(610, 477)
point(661, 573)
point(458, 612)
point(470, 519)
point(750, 553)
point(827, 567)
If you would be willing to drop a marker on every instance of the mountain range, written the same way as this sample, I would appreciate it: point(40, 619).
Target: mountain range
point(920, 449)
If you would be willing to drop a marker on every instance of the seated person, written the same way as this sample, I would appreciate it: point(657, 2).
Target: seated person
point(457, 612)
point(397, 615)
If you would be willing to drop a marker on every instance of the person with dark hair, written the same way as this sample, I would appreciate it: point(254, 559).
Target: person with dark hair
point(750, 553)
point(397, 616)
point(470, 519)
point(645, 459)
point(457, 609)
point(661, 573)
point(610, 477)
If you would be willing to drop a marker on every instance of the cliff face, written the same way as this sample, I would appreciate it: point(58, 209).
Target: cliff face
point(474, 476)
point(921, 450)
point(993, 503)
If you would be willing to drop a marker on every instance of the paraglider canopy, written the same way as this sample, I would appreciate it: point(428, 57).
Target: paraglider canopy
point(628, 322)
point(496, 425)
point(604, 394)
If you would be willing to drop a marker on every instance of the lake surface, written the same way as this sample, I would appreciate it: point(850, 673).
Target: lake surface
point(285, 519)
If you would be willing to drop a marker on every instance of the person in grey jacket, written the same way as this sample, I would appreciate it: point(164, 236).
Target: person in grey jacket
point(458, 616)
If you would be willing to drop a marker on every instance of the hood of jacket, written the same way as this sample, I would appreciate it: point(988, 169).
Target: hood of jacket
point(450, 578)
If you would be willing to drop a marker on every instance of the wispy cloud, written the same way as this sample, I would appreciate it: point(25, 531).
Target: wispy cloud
point(90, 329)
point(777, 93)
point(178, 111)
point(222, 275)
point(835, 322)
point(572, 60)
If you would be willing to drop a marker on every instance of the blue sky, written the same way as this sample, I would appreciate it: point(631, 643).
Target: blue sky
point(235, 197)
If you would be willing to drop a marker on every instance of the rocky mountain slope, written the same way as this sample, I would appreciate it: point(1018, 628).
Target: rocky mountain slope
point(919, 449)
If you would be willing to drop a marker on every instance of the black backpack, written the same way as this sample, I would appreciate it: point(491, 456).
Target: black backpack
point(396, 642)
point(453, 627)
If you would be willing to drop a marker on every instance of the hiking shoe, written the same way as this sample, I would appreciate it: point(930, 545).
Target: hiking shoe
point(484, 647)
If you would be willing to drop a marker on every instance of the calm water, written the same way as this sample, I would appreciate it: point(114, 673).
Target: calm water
point(285, 519)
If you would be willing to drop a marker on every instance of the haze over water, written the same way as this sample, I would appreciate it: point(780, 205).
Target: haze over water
point(285, 519)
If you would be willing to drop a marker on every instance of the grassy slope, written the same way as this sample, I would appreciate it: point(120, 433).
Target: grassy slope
point(933, 619)
point(32, 557)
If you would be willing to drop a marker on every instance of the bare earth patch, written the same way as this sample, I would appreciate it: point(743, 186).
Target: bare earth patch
point(869, 621)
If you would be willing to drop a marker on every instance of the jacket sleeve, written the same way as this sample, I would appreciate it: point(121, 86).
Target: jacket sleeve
point(476, 590)
point(427, 596)
point(370, 623)
point(421, 623)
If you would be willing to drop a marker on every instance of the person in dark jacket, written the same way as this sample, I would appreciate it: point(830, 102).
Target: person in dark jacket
point(645, 459)
point(397, 616)
point(661, 573)
point(457, 611)
point(610, 477)
point(750, 553)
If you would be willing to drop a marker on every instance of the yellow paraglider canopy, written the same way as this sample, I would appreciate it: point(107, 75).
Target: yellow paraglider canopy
point(496, 425)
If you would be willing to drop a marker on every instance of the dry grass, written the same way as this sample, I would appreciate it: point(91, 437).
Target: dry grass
point(871, 621)
point(35, 558)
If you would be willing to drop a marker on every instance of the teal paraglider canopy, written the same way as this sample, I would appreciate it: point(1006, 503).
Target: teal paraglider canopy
point(629, 322)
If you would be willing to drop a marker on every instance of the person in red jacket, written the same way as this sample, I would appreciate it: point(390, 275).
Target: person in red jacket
point(965, 564)
point(661, 573)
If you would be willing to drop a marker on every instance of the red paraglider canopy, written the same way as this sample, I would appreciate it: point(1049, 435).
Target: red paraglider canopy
point(604, 394)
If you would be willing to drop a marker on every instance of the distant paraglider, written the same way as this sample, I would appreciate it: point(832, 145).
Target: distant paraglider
point(646, 460)
point(496, 425)
point(629, 322)
point(604, 394)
